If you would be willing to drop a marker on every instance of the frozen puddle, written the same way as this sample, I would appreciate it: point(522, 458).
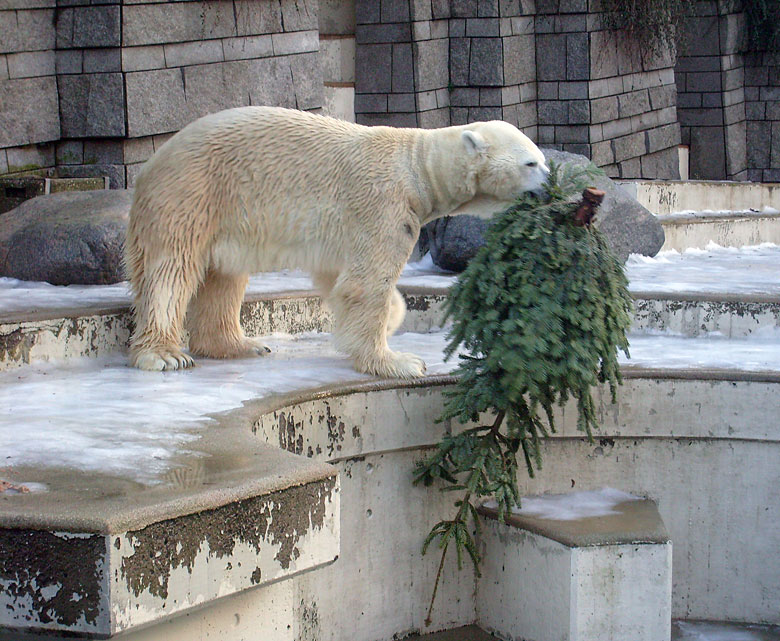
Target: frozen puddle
point(99, 414)
point(747, 270)
point(571, 506)
point(706, 631)
point(714, 270)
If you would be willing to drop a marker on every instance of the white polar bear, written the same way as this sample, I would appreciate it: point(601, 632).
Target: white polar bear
point(262, 188)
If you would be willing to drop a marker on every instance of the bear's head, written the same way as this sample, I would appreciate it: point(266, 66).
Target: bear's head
point(508, 162)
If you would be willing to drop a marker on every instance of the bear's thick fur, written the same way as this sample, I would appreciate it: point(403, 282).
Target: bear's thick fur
point(262, 188)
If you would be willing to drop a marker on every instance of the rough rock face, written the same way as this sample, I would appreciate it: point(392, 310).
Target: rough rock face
point(66, 238)
point(628, 226)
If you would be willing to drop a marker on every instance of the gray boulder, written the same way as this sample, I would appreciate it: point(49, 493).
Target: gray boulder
point(67, 238)
point(628, 226)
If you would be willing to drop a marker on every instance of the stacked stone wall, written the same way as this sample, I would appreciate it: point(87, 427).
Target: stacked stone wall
point(762, 107)
point(94, 88)
point(29, 110)
point(710, 79)
point(599, 96)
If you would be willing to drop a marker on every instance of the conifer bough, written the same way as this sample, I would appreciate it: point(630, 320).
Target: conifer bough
point(540, 312)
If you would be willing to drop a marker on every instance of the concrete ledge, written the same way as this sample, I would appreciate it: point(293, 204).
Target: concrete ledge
point(684, 230)
point(103, 584)
point(669, 196)
point(96, 330)
point(591, 579)
point(692, 315)
point(98, 555)
point(680, 436)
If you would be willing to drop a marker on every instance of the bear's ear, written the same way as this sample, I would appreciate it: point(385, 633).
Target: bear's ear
point(474, 142)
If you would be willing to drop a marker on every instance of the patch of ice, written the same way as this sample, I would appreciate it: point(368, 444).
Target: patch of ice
point(100, 415)
point(572, 505)
point(715, 270)
point(706, 631)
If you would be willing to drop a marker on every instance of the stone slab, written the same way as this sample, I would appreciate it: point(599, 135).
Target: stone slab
point(549, 582)
point(121, 557)
point(30, 111)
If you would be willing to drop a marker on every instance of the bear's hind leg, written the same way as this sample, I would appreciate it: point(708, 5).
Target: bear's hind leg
point(213, 319)
point(397, 312)
point(162, 294)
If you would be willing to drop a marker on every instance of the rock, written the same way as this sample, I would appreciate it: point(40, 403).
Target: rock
point(454, 240)
point(66, 238)
point(628, 226)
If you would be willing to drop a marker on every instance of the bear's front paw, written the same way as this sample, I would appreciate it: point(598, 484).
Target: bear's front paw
point(398, 365)
point(163, 360)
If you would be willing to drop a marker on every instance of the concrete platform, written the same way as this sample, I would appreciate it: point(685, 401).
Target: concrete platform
point(589, 578)
point(99, 554)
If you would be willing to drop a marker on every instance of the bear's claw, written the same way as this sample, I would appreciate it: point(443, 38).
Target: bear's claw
point(163, 361)
point(398, 365)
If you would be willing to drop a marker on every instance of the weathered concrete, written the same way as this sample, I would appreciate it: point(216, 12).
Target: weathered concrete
point(544, 580)
point(102, 555)
point(666, 197)
point(724, 228)
point(679, 438)
point(98, 330)
point(699, 314)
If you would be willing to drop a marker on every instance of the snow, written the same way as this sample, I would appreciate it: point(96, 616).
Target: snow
point(745, 270)
point(27, 296)
point(100, 415)
point(713, 270)
point(573, 505)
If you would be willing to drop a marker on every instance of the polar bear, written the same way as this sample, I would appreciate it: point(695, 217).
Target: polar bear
point(262, 188)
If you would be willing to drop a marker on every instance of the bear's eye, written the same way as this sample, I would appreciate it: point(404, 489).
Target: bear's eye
point(531, 164)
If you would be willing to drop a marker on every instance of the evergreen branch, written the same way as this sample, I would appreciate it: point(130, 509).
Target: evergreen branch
point(540, 314)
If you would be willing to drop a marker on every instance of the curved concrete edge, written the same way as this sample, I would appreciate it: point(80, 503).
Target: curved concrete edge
point(702, 217)
point(231, 464)
point(634, 522)
point(705, 297)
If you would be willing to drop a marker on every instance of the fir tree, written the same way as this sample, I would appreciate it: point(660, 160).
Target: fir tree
point(541, 312)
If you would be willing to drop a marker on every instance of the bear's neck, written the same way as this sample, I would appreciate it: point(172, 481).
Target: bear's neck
point(447, 179)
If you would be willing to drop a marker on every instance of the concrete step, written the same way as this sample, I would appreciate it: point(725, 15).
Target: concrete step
point(697, 229)
point(671, 196)
point(97, 554)
point(103, 436)
point(588, 566)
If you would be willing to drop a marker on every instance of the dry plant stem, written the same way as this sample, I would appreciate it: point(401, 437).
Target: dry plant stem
point(460, 516)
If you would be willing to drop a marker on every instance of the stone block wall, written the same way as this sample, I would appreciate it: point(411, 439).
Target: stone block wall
point(762, 108)
point(29, 110)
point(547, 66)
point(493, 63)
point(184, 60)
point(92, 88)
point(599, 97)
point(432, 63)
point(710, 77)
point(402, 62)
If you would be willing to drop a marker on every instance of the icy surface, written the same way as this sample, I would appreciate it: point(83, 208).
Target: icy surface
point(715, 269)
point(746, 270)
point(572, 506)
point(706, 631)
point(99, 414)
point(19, 295)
